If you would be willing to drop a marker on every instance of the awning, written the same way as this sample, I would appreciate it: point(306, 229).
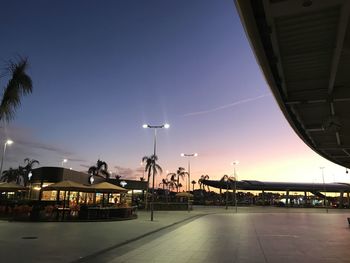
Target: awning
point(11, 187)
point(105, 187)
point(67, 185)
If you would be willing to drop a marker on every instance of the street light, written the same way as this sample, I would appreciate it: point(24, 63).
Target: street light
point(189, 155)
point(64, 161)
point(155, 127)
point(8, 142)
point(226, 179)
point(235, 186)
point(324, 188)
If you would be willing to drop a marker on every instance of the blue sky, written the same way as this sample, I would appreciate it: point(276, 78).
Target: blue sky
point(102, 69)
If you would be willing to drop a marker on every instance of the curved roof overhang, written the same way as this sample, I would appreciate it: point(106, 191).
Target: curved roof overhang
point(303, 48)
point(253, 185)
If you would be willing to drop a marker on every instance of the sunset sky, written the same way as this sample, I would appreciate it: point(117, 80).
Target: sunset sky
point(102, 69)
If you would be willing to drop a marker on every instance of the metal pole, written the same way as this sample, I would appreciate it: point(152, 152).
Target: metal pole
point(234, 172)
point(226, 194)
point(154, 156)
point(2, 158)
point(324, 188)
point(189, 175)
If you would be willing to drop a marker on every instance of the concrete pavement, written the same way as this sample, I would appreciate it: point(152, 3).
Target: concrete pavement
point(207, 234)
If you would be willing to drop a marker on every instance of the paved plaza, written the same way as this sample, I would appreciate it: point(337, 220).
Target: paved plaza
point(253, 234)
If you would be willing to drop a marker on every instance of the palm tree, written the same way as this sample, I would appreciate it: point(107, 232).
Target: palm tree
point(206, 177)
point(172, 182)
point(225, 179)
point(164, 182)
point(19, 84)
point(101, 168)
point(11, 175)
point(28, 167)
point(200, 181)
point(151, 167)
point(19, 175)
point(180, 173)
point(193, 183)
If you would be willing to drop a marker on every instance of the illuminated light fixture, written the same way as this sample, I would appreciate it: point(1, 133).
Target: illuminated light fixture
point(155, 127)
point(64, 161)
point(8, 142)
point(123, 183)
point(30, 174)
point(91, 179)
point(166, 126)
point(188, 155)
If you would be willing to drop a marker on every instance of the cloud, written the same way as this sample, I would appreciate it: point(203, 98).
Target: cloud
point(226, 106)
point(26, 146)
point(129, 173)
point(43, 146)
point(75, 160)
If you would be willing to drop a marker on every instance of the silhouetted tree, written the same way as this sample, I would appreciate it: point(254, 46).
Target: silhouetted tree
point(201, 180)
point(151, 167)
point(28, 167)
point(18, 85)
point(164, 183)
point(11, 175)
point(180, 173)
point(193, 183)
point(101, 169)
point(19, 175)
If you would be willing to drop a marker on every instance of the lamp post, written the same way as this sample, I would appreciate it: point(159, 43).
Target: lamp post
point(226, 181)
point(324, 188)
point(155, 127)
point(64, 161)
point(189, 155)
point(8, 142)
point(235, 185)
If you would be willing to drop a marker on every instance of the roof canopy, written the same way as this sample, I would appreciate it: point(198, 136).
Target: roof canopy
point(67, 185)
point(303, 50)
point(184, 194)
point(105, 187)
point(11, 187)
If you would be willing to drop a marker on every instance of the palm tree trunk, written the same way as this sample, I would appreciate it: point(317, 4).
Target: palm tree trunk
point(146, 198)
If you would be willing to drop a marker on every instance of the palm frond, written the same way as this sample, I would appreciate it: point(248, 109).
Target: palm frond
point(92, 170)
point(20, 84)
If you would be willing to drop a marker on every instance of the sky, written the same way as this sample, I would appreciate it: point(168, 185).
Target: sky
point(102, 69)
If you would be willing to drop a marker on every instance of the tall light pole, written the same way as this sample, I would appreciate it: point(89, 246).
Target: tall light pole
point(324, 188)
point(64, 161)
point(155, 127)
point(226, 179)
point(8, 142)
point(189, 155)
point(143, 169)
point(236, 178)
